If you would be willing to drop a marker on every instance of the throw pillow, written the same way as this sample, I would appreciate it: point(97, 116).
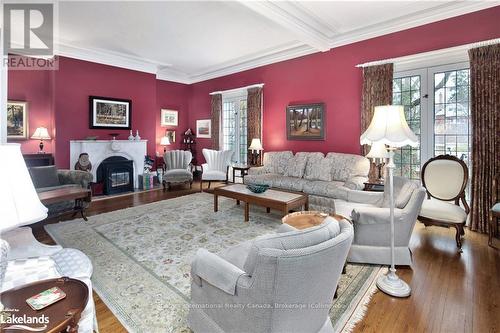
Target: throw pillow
point(312, 166)
point(325, 166)
point(45, 176)
point(296, 166)
point(403, 189)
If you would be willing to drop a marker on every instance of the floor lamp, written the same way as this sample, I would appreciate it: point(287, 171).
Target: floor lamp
point(389, 127)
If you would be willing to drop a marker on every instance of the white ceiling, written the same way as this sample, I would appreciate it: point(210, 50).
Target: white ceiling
point(194, 41)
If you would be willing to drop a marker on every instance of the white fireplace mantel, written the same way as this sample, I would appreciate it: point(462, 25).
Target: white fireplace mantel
point(99, 150)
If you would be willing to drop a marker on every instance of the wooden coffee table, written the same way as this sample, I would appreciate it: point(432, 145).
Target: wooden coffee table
point(61, 315)
point(271, 199)
point(80, 195)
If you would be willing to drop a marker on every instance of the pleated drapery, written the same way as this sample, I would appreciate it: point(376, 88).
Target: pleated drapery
point(254, 115)
point(216, 106)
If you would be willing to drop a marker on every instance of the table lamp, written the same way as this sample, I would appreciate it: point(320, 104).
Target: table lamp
point(378, 154)
point(389, 127)
point(165, 141)
point(19, 201)
point(256, 148)
point(41, 134)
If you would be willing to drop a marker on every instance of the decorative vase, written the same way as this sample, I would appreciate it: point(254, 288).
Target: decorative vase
point(137, 137)
point(131, 136)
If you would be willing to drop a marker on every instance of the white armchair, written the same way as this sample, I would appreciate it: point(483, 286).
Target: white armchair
point(298, 267)
point(369, 212)
point(177, 168)
point(30, 261)
point(216, 166)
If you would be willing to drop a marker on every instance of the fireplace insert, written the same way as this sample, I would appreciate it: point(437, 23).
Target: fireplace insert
point(116, 174)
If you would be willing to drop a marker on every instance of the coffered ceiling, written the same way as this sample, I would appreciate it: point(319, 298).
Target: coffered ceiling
point(193, 41)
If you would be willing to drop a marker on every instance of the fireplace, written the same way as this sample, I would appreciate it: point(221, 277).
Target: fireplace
point(116, 173)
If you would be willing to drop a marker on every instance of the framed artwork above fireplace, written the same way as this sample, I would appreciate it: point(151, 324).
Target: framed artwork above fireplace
point(110, 113)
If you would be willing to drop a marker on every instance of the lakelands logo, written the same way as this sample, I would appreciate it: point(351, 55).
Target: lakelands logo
point(28, 36)
point(12, 321)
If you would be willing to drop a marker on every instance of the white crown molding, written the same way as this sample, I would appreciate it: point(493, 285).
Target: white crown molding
point(294, 17)
point(442, 12)
point(308, 29)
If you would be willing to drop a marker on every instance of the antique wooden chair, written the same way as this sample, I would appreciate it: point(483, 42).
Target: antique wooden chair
point(445, 178)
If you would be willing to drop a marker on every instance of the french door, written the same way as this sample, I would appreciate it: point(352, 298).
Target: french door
point(234, 127)
point(437, 108)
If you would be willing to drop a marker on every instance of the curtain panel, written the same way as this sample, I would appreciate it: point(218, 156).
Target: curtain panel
point(216, 106)
point(376, 90)
point(485, 119)
point(254, 116)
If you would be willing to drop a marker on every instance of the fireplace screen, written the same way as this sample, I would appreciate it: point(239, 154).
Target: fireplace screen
point(120, 179)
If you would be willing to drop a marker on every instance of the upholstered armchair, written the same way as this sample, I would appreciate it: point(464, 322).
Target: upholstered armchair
point(445, 178)
point(177, 168)
point(216, 166)
point(30, 261)
point(370, 211)
point(298, 267)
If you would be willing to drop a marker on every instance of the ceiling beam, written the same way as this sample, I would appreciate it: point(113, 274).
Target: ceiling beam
point(303, 25)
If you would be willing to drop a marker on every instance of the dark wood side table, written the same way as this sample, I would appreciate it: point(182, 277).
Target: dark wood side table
point(242, 168)
point(34, 160)
point(80, 195)
point(61, 315)
point(373, 186)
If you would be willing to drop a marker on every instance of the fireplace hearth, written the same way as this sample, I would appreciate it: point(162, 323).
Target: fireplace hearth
point(116, 174)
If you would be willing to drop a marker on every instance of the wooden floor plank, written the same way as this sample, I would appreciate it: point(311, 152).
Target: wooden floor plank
point(451, 292)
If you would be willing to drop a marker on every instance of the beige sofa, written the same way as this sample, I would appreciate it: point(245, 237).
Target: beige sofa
point(323, 178)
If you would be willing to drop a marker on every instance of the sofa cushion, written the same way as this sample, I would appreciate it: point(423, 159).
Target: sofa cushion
point(403, 189)
point(292, 240)
point(345, 208)
point(44, 176)
point(296, 166)
point(346, 166)
point(290, 183)
point(182, 175)
point(276, 161)
point(265, 179)
point(322, 188)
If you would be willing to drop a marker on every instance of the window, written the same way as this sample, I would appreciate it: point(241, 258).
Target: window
point(234, 126)
point(436, 103)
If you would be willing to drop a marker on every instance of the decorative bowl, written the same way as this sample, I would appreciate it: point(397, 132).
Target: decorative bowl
point(257, 188)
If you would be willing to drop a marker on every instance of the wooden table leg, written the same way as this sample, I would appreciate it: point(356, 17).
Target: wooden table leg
point(216, 203)
point(237, 202)
point(247, 208)
point(306, 205)
point(268, 210)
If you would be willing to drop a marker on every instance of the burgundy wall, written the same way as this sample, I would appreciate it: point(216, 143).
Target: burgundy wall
point(331, 77)
point(34, 87)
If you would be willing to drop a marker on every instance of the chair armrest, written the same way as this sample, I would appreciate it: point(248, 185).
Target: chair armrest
point(216, 271)
point(82, 178)
point(356, 183)
point(204, 167)
point(256, 170)
point(285, 227)
point(372, 198)
point(376, 215)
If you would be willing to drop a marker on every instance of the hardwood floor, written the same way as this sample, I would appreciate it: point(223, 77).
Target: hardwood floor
point(451, 292)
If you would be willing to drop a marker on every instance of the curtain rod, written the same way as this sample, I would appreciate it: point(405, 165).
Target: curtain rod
point(258, 85)
point(431, 53)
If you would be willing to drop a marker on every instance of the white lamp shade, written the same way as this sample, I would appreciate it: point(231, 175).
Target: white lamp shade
point(41, 133)
point(389, 126)
point(19, 203)
point(256, 145)
point(165, 141)
point(378, 150)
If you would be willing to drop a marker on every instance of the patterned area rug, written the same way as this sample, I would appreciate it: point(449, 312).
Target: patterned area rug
point(141, 258)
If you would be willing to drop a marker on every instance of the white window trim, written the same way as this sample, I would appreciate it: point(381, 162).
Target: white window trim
point(427, 103)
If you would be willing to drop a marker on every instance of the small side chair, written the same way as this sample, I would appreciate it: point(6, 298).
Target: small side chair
point(177, 168)
point(445, 178)
point(216, 167)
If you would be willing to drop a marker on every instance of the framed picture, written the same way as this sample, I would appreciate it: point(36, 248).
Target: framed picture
point(17, 120)
point(170, 135)
point(305, 122)
point(204, 128)
point(110, 113)
point(169, 117)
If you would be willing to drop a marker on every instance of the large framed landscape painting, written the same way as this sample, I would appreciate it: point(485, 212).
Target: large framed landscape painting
point(110, 113)
point(17, 120)
point(305, 122)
